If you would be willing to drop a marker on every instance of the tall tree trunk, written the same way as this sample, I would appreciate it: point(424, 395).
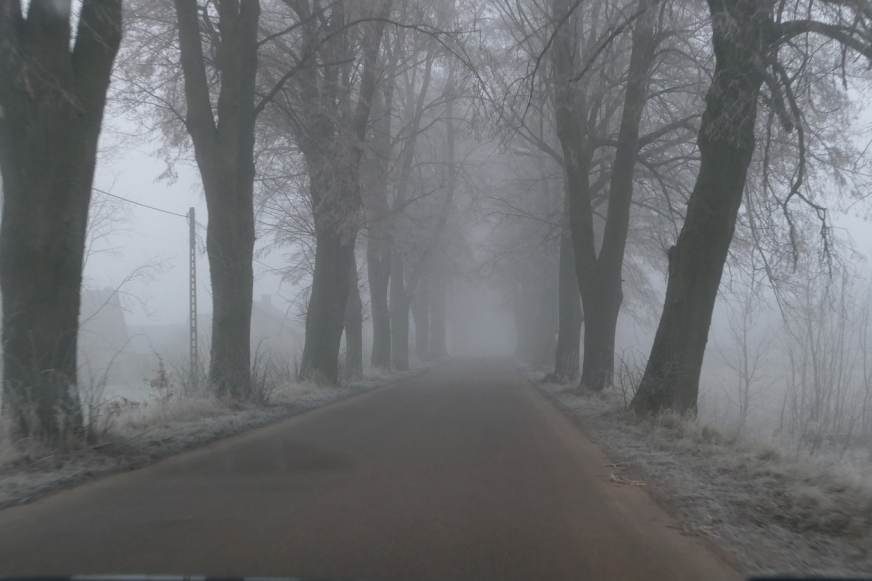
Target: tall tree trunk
point(601, 290)
point(353, 327)
point(224, 150)
point(379, 241)
point(599, 277)
point(696, 262)
point(437, 344)
point(566, 364)
point(230, 246)
point(421, 315)
point(399, 306)
point(334, 256)
point(403, 280)
point(601, 307)
point(334, 184)
point(571, 132)
point(51, 111)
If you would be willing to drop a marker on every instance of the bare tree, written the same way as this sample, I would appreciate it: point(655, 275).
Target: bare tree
point(52, 99)
point(621, 105)
point(330, 137)
point(825, 337)
point(747, 38)
point(415, 95)
point(223, 137)
point(379, 239)
point(421, 176)
point(599, 275)
point(529, 119)
point(196, 66)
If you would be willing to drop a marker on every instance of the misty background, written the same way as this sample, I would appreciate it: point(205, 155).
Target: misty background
point(482, 148)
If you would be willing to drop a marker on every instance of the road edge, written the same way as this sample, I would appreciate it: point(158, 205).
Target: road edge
point(656, 494)
point(29, 483)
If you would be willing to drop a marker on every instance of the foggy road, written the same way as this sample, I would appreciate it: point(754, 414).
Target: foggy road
point(464, 472)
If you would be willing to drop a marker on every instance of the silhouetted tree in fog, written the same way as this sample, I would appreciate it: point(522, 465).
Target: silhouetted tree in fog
point(330, 136)
point(616, 84)
point(52, 99)
point(379, 239)
point(750, 39)
point(599, 274)
point(198, 66)
point(223, 137)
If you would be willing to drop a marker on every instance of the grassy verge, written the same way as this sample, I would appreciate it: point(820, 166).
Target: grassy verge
point(775, 509)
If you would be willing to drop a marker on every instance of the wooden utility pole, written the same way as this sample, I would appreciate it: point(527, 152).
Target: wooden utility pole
point(192, 223)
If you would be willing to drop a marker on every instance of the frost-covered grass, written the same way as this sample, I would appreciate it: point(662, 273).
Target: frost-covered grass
point(133, 434)
point(775, 509)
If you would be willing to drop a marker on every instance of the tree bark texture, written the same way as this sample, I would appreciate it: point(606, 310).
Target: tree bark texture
point(224, 150)
point(726, 143)
point(51, 110)
point(599, 277)
point(353, 328)
point(333, 147)
point(570, 318)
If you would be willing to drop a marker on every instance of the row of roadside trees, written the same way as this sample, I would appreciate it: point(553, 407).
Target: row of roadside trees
point(340, 120)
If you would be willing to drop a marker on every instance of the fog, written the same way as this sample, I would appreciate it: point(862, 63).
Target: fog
point(548, 254)
point(479, 311)
point(464, 179)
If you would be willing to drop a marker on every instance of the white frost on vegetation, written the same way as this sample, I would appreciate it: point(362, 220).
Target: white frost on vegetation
point(142, 433)
point(773, 508)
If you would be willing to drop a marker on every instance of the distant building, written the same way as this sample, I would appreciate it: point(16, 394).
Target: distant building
point(106, 350)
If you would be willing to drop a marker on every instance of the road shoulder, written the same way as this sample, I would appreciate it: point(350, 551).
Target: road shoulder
point(766, 511)
point(36, 473)
point(630, 496)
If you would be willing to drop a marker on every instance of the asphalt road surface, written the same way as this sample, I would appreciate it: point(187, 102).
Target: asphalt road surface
point(462, 473)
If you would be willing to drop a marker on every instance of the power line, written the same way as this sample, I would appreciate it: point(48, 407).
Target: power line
point(143, 205)
point(185, 216)
point(129, 201)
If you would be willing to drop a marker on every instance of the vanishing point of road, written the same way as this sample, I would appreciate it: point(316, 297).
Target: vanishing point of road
point(464, 473)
